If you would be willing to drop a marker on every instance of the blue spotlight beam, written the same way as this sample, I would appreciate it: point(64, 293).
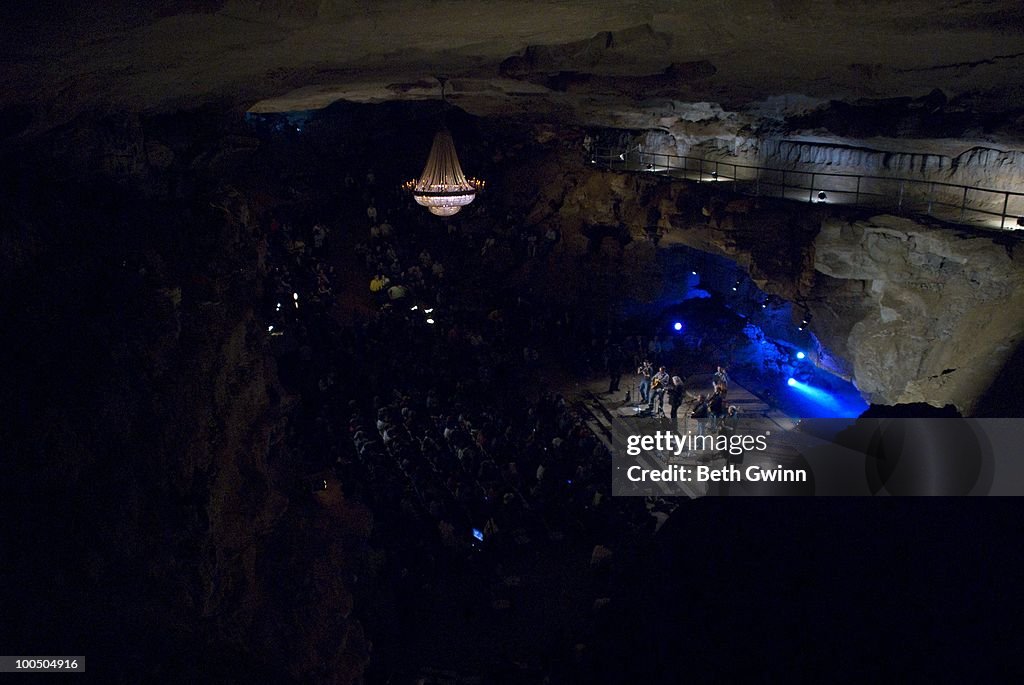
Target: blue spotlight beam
point(817, 395)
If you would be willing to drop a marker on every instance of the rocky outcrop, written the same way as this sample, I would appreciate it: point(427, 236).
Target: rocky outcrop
point(933, 314)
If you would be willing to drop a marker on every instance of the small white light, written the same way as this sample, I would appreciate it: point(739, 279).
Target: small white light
point(430, 321)
point(414, 308)
point(278, 307)
point(427, 311)
point(270, 329)
point(295, 296)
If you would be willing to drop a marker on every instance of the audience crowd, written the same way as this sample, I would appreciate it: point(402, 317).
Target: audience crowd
point(427, 407)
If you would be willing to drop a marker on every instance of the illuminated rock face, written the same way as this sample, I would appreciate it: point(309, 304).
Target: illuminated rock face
point(910, 312)
point(933, 313)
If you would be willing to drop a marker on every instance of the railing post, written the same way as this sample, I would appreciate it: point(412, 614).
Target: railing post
point(931, 197)
point(856, 195)
point(899, 198)
point(700, 169)
point(1006, 202)
point(963, 205)
point(810, 193)
point(735, 175)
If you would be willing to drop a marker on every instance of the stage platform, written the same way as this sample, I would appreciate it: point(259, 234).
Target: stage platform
point(614, 420)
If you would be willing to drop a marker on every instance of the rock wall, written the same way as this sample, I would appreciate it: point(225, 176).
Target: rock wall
point(935, 313)
point(910, 312)
point(925, 139)
point(155, 501)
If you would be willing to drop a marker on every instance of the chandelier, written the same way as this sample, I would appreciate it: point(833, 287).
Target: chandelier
point(442, 187)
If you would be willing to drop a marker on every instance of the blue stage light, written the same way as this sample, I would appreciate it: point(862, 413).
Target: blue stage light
point(677, 326)
point(800, 355)
point(829, 405)
point(835, 402)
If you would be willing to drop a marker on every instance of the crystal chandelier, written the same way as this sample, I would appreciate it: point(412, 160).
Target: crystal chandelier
point(442, 187)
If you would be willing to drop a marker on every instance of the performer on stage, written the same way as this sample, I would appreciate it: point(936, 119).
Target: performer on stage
point(659, 384)
point(645, 371)
point(721, 377)
point(675, 396)
point(716, 406)
point(700, 412)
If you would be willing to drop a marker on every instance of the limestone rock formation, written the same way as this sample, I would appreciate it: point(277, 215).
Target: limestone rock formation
point(936, 312)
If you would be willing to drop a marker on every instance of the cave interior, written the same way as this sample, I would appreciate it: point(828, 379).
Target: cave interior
point(190, 365)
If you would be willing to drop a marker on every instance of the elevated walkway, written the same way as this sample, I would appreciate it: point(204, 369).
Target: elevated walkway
point(967, 205)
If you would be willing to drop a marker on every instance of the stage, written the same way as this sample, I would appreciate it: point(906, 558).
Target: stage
point(615, 421)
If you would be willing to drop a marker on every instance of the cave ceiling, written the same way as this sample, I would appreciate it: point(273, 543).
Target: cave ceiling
point(721, 66)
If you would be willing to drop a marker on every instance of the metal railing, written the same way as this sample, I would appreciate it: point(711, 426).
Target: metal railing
point(951, 202)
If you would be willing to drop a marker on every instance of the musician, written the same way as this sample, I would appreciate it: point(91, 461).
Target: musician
point(700, 412)
point(675, 396)
point(721, 377)
point(659, 384)
point(716, 407)
point(645, 372)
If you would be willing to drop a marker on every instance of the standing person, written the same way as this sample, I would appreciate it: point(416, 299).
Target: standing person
point(614, 368)
point(675, 396)
point(659, 384)
point(716, 407)
point(700, 412)
point(645, 372)
point(721, 377)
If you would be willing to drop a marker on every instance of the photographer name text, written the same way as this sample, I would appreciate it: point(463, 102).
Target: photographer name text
point(707, 474)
